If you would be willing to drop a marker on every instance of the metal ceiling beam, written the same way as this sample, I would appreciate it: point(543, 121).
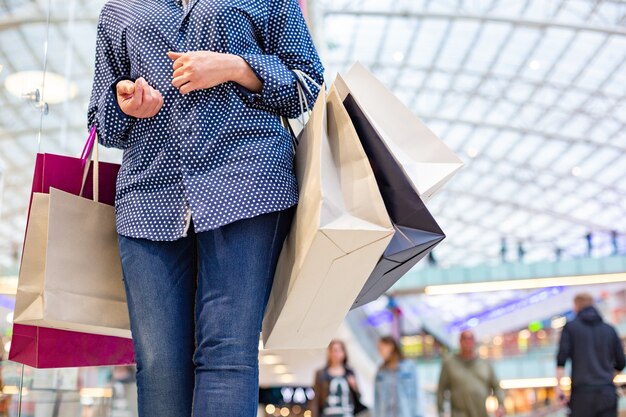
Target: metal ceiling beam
point(15, 23)
point(522, 131)
point(532, 23)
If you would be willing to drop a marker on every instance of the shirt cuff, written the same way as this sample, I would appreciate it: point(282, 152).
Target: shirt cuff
point(278, 80)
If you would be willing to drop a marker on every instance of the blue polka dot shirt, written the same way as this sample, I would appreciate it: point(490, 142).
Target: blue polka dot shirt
point(216, 155)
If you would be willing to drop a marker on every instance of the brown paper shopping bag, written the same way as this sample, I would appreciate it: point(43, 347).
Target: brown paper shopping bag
point(339, 232)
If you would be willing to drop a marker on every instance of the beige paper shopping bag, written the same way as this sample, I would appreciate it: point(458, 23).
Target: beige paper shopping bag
point(425, 159)
point(339, 232)
point(70, 276)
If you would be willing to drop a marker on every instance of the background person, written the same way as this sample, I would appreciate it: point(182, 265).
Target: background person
point(336, 391)
point(396, 391)
point(470, 380)
point(597, 354)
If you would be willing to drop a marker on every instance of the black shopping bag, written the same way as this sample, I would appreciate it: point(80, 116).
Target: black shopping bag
point(416, 231)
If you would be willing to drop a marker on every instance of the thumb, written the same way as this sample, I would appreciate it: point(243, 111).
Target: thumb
point(125, 87)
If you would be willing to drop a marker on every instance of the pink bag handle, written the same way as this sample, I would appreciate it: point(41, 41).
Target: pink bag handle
point(88, 145)
point(85, 157)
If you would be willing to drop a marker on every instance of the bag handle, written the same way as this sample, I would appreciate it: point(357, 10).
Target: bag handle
point(88, 145)
point(91, 148)
point(302, 88)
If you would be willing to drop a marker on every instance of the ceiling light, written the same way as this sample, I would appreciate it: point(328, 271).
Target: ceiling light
point(57, 89)
point(534, 64)
point(525, 284)
point(96, 392)
point(286, 378)
point(10, 317)
point(528, 383)
point(281, 369)
point(398, 56)
point(270, 359)
point(472, 152)
point(558, 322)
point(576, 171)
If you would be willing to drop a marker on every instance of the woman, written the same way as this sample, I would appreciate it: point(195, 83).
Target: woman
point(396, 388)
point(193, 93)
point(336, 391)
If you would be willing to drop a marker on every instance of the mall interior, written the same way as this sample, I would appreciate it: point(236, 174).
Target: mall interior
point(529, 94)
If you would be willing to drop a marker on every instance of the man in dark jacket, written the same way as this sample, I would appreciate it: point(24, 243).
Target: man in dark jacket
point(597, 355)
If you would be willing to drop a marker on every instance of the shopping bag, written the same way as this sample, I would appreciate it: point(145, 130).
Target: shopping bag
point(38, 346)
point(339, 232)
point(42, 347)
point(416, 231)
point(426, 161)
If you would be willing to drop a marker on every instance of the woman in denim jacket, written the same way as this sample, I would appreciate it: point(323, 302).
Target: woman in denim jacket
point(396, 388)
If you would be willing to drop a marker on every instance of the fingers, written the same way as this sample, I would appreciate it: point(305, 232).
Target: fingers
point(138, 96)
point(187, 88)
point(181, 80)
point(125, 88)
point(178, 58)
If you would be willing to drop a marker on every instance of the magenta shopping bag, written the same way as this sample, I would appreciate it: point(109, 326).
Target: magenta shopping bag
point(41, 347)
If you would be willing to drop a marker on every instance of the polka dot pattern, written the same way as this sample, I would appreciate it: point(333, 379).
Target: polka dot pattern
point(216, 155)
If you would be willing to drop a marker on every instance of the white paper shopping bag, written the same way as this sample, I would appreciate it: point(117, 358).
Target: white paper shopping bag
point(426, 160)
point(339, 232)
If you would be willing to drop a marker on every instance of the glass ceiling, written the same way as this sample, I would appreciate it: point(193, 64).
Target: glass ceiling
point(530, 93)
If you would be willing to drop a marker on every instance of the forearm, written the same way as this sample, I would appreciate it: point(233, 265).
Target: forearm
point(560, 373)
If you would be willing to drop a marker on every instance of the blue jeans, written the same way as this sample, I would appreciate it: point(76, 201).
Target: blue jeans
point(196, 307)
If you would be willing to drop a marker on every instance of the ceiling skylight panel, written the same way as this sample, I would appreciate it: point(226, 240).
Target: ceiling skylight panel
point(512, 57)
point(615, 174)
point(553, 44)
point(604, 64)
point(538, 9)
point(339, 30)
point(485, 183)
point(396, 45)
point(576, 58)
point(518, 91)
point(466, 82)
point(573, 98)
point(426, 102)
point(12, 44)
point(452, 103)
point(462, 35)
point(589, 209)
point(545, 179)
point(501, 143)
point(490, 41)
point(576, 11)
point(368, 37)
point(566, 204)
point(528, 146)
point(575, 126)
point(501, 113)
point(602, 129)
point(476, 107)
point(430, 36)
point(514, 224)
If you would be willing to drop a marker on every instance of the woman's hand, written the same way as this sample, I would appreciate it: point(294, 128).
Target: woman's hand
point(138, 99)
point(198, 70)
